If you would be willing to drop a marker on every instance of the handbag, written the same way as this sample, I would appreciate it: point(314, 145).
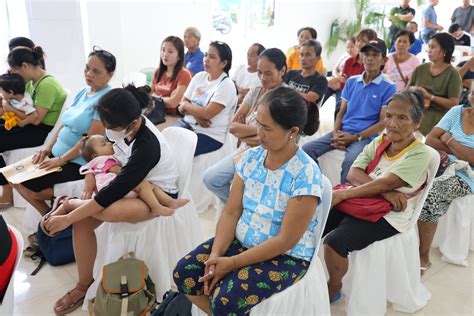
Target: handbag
point(158, 112)
point(173, 304)
point(126, 289)
point(368, 208)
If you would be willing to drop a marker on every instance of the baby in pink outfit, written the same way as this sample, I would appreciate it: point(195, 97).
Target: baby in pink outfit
point(101, 162)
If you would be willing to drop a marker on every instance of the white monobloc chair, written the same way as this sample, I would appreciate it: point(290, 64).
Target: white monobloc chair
point(455, 232)
point(7, 306)
point(161, 241)
point(310, 295)
point(19, 154)
point(389, 270)
point(331, 165)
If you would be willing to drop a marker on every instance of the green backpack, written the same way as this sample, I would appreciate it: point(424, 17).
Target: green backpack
point(126, 289)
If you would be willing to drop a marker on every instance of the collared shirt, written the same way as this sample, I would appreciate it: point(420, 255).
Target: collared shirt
point(365, 101)
point(464, 17)
point(430, 14)
point(352, 68)
point(194, 61)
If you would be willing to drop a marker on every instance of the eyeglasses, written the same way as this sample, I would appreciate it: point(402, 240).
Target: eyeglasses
point(97, 49)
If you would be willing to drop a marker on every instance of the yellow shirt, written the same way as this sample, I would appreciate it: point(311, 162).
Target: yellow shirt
point(293, 61)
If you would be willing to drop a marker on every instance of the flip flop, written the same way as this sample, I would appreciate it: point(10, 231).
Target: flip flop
point(423, 269)
point(60, 200)
point(335, 298)
point(5, 206)
point(67, 302)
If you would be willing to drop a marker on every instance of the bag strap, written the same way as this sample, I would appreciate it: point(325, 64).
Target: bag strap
point(378, 155)
point(37, 85)
point(124, 294)
point(405, 79)
point(217, 87)
point(38, 255)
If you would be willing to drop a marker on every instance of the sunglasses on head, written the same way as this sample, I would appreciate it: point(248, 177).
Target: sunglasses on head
point(97, 49)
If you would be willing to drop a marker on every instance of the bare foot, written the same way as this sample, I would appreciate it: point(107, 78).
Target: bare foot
point(163, 211)
point(178, 203)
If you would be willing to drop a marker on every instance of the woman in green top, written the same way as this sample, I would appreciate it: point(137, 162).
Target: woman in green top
point(438, 80)
point(48, 96)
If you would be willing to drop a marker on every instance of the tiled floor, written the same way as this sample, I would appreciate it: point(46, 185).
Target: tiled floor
point(452, 287)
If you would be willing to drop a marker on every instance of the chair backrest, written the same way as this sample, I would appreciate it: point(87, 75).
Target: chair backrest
point(420, 200)
point(182, 143)
point(322, 213)
point(6, 308)
point(149, 71)
point(138, 79)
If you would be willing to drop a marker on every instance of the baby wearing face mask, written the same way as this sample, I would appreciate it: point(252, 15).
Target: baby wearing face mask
point(99, 153)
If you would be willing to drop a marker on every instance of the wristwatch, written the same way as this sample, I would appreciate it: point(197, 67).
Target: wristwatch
point(359, 137)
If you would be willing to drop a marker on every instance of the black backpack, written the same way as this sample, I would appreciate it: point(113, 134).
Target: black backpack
point(173, 304)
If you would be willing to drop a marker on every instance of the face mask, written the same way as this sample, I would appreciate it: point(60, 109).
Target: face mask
point(116, 136)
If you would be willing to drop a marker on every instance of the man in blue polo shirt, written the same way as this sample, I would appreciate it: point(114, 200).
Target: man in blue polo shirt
point(194, 58)
point(363, 105)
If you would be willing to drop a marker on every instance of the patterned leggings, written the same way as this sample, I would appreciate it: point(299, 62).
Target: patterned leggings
point(241, 289)
point(442, 193)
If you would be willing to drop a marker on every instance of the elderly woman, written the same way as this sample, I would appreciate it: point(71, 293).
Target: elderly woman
point(438, 80)
point(264, 241)
point(454, 135)
point(48, 97)
point(209, 100)
point(271, 68)
point(80, 118)
point(144, 154)
point(399, 175)
point(171, 79)
point(401, 63)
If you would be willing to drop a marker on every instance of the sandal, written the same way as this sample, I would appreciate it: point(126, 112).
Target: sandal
point(66, 304)
point(60, 200)
point(423, 269)
point(6, 205)
point(335, 298)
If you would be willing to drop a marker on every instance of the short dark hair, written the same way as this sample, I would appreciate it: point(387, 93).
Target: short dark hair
point(369, 33)
point(311, 30)
point(411, 36)
point(225, 53)
point(289, 109)
point(106, 57)
point(23, 54)
point(315, 44)
point(276, 57)
point(260, 48)
point(453, 28)
point(179, 45)
point(121, 106)
point(87, 149)
point(12, 82)
point(446, 42)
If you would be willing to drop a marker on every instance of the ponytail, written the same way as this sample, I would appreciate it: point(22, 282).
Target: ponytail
point(23, 54)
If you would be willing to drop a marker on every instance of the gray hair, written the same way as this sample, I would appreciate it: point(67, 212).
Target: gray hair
point(416, 101)
point(315, 44)
point(194, 31)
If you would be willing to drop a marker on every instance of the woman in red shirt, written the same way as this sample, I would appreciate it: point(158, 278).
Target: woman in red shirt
point(171, 79)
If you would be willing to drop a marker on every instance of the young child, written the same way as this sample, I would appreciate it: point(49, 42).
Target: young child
point(12, 87)
point(98, 152)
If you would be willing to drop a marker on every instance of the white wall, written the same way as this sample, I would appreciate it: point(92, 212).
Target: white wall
point(133, 30)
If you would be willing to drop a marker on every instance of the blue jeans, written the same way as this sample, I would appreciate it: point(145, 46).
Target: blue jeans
point(322, 145)
point(218, 177)
point(205, 144)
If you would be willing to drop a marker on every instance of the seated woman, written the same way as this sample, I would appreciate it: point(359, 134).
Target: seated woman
point(209, 100)
point(144, 154)
point(399, 175)
point(454, 135)
point(400, 64)
point(293, 53)
point(271, 68)
point(264, 241)
point(438, 80)
point(171, 79)
point(48, 98)
point(80, 118)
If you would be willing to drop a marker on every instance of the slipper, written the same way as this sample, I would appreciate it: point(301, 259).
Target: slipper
point(5, 206)
point(335, 298)
point(68, 303)
point(60, 200)
point(423, 269)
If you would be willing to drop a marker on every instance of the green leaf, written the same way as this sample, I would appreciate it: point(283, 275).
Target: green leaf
point(284, 275)
point(192, 267)
point(242, 303)
point(230, 285)
point(290, 262)
point(263, 285)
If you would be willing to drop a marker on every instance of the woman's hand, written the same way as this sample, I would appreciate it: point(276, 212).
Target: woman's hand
point(182, 107)
point(57, 223)
point(7, 107)
point(337, 197)
point(219, 268)
point(209, 271)
point(51, 163)
point(204, 123)
point(39, 156)
point(397, 199)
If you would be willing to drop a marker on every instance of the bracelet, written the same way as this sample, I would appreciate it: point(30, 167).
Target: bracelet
point(432, 97)
point(449, 140)
point(61, 160)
